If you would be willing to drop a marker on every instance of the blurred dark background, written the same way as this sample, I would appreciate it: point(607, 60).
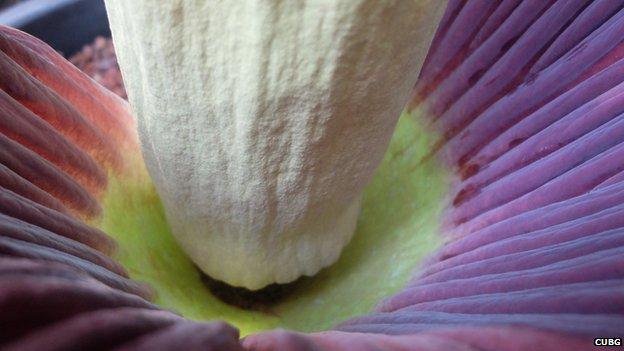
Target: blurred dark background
point(66, 25)
point(78, 29)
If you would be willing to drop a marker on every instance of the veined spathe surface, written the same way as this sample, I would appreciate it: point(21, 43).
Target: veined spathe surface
point(261, 121)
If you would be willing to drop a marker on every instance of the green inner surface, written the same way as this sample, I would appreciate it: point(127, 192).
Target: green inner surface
point(397, 228)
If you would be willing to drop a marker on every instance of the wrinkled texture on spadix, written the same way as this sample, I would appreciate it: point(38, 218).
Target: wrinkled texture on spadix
point(262, 121)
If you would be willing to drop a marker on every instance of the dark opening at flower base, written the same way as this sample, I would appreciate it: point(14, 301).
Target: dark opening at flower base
point(262, 300)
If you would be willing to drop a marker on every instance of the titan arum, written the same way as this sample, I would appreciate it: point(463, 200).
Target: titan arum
point(500, 194)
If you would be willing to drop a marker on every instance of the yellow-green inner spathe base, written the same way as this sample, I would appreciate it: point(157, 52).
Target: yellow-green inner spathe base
point(397, 228)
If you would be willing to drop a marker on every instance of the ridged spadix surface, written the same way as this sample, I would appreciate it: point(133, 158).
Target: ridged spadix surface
point(262, 121)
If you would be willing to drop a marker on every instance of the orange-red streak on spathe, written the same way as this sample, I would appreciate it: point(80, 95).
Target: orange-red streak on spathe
point(68, 131)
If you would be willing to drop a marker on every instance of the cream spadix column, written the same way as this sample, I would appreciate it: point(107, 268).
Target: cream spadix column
point(261, 121)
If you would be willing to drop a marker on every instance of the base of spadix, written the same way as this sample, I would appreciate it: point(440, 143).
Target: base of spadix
point(254, 259)
point(397, 227)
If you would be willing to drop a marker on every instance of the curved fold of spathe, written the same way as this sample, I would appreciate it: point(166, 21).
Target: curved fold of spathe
point(528, 99)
